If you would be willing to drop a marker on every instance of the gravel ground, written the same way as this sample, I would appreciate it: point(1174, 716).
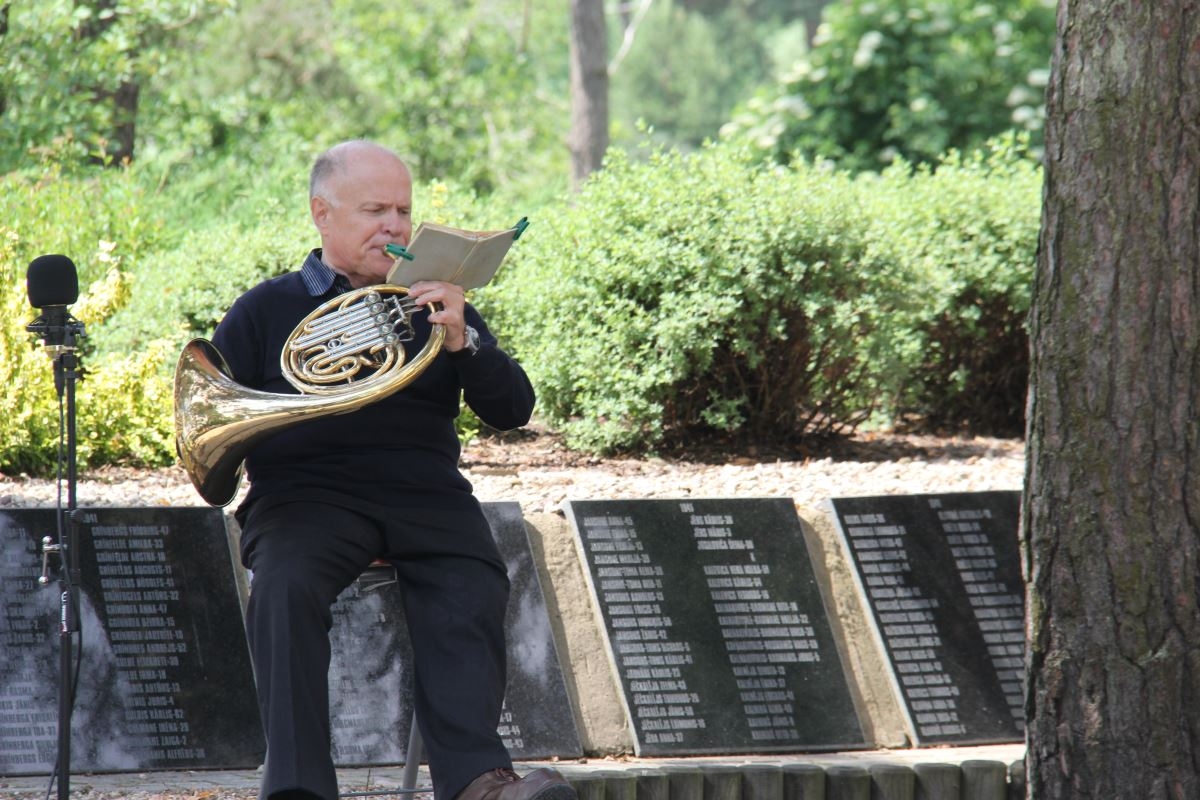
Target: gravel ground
point(536, 470)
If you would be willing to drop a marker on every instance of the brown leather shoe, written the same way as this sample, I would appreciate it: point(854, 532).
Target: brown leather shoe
point(504, 784)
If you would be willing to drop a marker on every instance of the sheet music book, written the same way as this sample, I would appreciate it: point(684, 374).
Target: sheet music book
point(442, 253)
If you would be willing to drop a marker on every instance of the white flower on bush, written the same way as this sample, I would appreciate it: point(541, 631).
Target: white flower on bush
point(104, 252)
point(867, 46)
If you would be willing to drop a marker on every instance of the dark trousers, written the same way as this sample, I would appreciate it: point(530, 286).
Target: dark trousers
point(455, 592)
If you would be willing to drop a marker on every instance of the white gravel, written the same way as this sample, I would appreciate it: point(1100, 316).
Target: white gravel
point(956, 466)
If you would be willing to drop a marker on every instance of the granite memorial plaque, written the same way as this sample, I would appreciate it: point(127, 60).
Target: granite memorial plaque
point(941, 575)
point(716, 626)
point(371, 681)
point(165, 679)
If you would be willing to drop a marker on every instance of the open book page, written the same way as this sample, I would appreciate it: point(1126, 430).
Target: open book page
point(441, 253)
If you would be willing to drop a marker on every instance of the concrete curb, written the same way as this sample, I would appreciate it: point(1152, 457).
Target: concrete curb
point(963, 773)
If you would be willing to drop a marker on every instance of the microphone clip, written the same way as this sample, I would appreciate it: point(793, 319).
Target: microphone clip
point(58, 330)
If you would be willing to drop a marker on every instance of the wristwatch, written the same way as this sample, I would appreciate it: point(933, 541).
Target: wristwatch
point(470, 343)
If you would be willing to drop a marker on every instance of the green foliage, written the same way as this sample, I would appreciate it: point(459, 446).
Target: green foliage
point(683, 295)
point(704, 293)
point(86, 215)
point(686, 72)
point(451, 86)
point(184, 291)
point(768, 10)
point(452, 80)
point(907, 79)
point(126, 413)
point(65, 60)
point(967, 232)
point(108, 228)
point(695, 293)
point(267, 83)
point(218, 189)
point(680, 296)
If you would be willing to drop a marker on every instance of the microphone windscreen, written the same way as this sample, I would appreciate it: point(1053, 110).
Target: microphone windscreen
point(51, 281)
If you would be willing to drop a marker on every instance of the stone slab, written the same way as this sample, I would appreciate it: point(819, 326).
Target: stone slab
point(164, 680)
point(941, 577)
point(715, 625)
point(371, 681)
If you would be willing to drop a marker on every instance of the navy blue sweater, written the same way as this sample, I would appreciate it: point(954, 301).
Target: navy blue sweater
point(401, 451)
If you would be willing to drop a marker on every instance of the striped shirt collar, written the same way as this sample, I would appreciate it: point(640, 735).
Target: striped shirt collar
point(319, 278)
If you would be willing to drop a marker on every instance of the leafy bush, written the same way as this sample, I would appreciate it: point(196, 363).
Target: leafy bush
point(461, 89)
point(967, 233)
point(75, 74)
point(679, 296)
point(126, 409)
point(184, 291)
point(907, 79)
point(670, 81)
point(704, 293)
point(107, 226)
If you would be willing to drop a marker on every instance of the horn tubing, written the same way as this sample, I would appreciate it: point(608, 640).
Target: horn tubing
point(218, 421)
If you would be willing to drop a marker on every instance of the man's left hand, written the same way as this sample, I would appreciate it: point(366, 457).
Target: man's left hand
point(452, 300)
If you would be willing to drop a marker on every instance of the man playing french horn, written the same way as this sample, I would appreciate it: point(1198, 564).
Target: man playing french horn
point(332, 494)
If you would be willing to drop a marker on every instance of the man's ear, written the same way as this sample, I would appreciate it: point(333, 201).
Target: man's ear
point(320, 209)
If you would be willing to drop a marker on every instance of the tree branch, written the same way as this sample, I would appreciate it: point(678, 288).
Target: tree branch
point(630, 33)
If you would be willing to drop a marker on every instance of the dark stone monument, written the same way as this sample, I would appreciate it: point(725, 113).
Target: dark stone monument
point(165, 679)
point(371, 680)
point(716, 626)
point(941, 575)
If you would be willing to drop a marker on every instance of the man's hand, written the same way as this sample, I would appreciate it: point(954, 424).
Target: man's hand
point(452, 300)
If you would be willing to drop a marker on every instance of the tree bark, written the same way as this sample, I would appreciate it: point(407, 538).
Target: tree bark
point(1112, 496)
point(123, 100)
point(3, 33)
point(588, 138)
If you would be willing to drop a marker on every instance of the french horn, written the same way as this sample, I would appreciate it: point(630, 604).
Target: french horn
point(346, 354)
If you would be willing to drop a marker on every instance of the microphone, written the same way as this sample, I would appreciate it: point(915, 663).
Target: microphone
point(51, 281)
point(53, 285)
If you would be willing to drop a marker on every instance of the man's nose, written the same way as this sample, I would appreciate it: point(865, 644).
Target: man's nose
point(393, 222)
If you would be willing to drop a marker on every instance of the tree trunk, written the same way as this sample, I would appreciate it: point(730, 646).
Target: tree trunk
point(3, 32)
point(123, 100)
point(1112, 496)
point(588, 139)
point(124, 133)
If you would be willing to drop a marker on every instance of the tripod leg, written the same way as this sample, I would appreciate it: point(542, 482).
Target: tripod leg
point(412, 759)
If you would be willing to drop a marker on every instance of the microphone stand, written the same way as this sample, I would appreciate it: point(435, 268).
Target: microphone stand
point(66, 373)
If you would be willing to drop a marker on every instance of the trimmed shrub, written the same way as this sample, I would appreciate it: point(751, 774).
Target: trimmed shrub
point(909, 80)
point(967, 233)
point(183, 292)
point(680, 296)
point(107, 227)
point(705, 293)
point(702, 294)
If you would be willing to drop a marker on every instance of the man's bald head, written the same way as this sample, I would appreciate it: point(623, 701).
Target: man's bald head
point(332, 164)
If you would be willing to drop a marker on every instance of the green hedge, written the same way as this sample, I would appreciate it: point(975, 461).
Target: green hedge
point(705, 292)
point(968, 233)
point(183, 291)
point(709, 293)
point(123, 405)
point(675, 296)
